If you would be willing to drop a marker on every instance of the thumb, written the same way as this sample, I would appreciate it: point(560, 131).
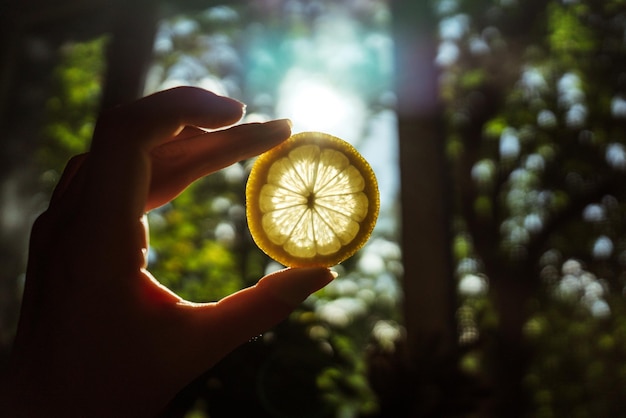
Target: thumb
point(225, 325)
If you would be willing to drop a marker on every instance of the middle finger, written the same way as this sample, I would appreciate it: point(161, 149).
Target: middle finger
point(178, 163)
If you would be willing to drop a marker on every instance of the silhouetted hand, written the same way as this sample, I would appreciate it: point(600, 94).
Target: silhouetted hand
point(98, 335)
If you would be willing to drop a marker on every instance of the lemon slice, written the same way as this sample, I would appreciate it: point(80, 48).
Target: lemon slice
point(311, 201)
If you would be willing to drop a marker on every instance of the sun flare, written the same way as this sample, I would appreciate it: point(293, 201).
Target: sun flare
point(313, 104)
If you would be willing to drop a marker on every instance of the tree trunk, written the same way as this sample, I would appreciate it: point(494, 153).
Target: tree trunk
point(429, 302)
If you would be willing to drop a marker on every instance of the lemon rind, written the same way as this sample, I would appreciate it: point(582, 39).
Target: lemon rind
point(258, 177)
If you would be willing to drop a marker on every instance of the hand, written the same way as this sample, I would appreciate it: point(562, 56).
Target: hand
point(98, 335)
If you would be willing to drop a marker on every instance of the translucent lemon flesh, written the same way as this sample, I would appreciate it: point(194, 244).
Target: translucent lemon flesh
point(311, 201)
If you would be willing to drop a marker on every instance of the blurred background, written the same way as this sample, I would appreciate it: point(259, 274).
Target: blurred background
point(494, 282)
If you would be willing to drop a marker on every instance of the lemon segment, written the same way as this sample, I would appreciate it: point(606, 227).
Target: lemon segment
point(311, 201)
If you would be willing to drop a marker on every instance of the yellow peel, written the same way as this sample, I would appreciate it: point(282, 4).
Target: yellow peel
point(311, 201)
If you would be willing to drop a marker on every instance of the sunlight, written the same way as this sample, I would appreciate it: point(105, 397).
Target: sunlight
point(313, 104)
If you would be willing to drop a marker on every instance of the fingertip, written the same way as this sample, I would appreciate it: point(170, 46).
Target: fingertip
point(200, 107)
point(227, 111)
point(293, 285)
point(278, 128)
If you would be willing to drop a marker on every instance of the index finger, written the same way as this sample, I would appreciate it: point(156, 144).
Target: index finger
point(178, 163)
point(120, 166)
point(160, 116)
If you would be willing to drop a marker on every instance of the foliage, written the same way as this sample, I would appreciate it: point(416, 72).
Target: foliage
point(193, 241)
point(72, 107)
point(537, 144)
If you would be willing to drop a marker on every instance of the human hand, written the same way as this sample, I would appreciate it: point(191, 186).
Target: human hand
point(98, 335)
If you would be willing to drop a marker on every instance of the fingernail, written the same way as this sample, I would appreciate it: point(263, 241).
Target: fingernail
point(273, 132)
point(293, 285)
point(231, 105)
point(233, 100)
point(279, 126)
